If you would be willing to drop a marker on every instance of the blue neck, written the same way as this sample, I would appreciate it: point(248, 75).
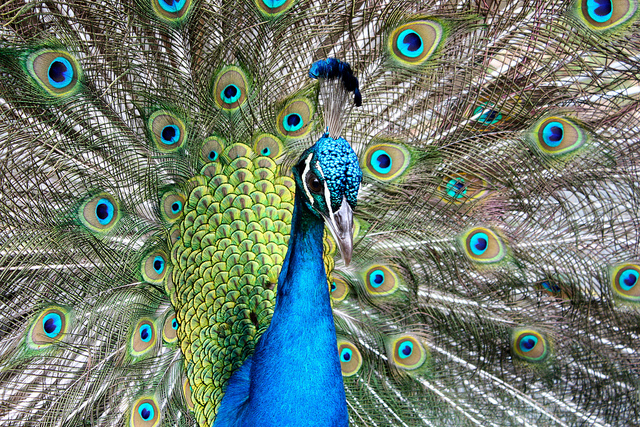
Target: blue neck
point(295, 374)
point(303, 266)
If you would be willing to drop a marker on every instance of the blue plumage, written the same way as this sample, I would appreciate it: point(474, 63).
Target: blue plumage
point(295, 372)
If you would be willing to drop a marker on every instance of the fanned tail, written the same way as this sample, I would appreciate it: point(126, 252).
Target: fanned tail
point(145, 205)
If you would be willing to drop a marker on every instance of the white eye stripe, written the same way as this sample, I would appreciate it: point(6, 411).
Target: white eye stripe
point(307, 171)
point(327, 193)
point(320, 170)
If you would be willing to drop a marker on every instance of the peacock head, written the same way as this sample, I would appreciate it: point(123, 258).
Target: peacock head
point(328, 177)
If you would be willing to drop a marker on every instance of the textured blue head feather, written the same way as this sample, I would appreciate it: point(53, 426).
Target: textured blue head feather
point(335, 163)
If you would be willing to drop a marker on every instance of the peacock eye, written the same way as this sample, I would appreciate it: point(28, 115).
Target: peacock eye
point(313, 183)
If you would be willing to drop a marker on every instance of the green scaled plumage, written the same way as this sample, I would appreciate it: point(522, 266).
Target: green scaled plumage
point(145, 206)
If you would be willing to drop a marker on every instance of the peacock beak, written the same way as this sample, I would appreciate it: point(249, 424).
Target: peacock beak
point(340, 224)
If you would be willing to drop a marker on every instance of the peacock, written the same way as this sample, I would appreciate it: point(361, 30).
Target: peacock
point(320, 213)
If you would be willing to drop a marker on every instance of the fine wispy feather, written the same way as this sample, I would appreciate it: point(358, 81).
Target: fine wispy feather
point(148, 158)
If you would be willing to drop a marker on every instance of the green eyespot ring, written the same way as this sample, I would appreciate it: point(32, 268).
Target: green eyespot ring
point(407, 352)
point(415, 42)
point(625, 282)
point(529, 345)
point(350, 358)
point(481, 245)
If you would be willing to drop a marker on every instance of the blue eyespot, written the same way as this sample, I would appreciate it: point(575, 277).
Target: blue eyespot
point(273, 4)
point(628, 279)
point(376, 278)
point(479, 243)
point(174, 324)
point(410, 44)
point(292, 122)
point(176, 207)
point(213, 155)
point(273, 8)
point(49, 327)
point(230, 94)
point(345, 355)
point(553, 133)
point(488, 116)
point(168, 131)
point(170, 134)
point(104, 211)
point(350, 358)
point(551, 287)
point(172, 6)
point(153, 267)
point(265, 151)
point(146, 411)
point(528, 343)
point(145, 333)
point(600, 10)
point(52, 324)
point(381, 161)
point(60, 73)
point(405, 349)
point(456, 188)
point(408, 353)
point(158, 264)
point(333, 286)
point(530, 346)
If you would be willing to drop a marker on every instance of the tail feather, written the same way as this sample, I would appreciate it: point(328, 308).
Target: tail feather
point(496, 246)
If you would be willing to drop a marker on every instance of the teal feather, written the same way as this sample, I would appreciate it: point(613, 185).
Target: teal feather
point(296, 356)
point(496, 256)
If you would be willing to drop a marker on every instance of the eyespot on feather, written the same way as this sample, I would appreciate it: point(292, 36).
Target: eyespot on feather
point(273, 8)
point(143, 337)
point(174, 236)
point(294, 121)
point(186, 390)
point(339, 289)
point(167, 131)
point(230, 88)
point(486, 115)
point(415, 42)
point(556, 136)
point(154, 267)
point(385, 161)
point(268, 145)
point(380, 280)
point(171, 10)
point(462, 187)
point(407, 352)
point(49, 327)
point(172, 204)
point(550, 287)
point(602, 15)
point(211, 149)
point(145, 413)
point(350, 358)
point(482, 245)
point(625, 282)
point(529, 345)
point(170, 329)
point(100, 213)
point(55, 71)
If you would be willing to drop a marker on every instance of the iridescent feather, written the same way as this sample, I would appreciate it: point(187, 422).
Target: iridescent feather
point(146, 204)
